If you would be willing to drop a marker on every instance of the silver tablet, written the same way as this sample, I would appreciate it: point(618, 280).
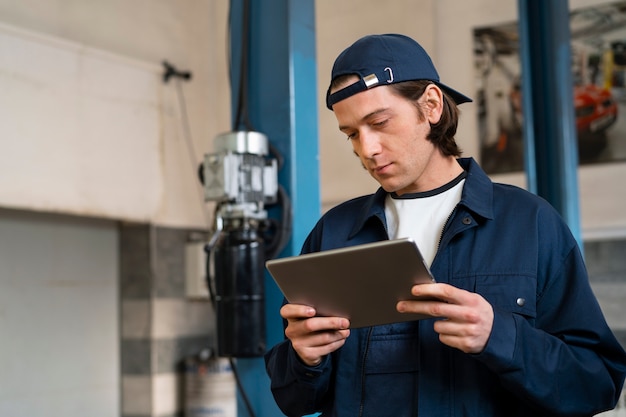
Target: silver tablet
point(362, 283)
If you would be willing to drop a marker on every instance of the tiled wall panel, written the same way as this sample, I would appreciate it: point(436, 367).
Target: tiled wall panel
point(160, 327)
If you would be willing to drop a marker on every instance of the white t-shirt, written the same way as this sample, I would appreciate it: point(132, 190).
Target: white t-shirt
point(422, 216)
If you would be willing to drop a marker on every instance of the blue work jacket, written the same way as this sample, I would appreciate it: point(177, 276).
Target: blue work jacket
point(550, 352)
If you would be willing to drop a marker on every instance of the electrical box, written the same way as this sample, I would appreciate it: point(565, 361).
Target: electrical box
point(195, 271)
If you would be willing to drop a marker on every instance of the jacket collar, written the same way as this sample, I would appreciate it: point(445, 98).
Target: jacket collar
point(477, 197)
point(477, 193)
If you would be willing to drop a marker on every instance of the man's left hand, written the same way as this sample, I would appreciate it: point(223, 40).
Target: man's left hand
point(467, 317)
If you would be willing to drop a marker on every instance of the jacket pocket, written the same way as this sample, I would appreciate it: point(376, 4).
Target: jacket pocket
point(393, 349)
point(515, 293)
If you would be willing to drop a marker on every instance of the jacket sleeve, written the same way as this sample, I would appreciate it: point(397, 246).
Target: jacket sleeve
point(567, 361)
point(297, 389)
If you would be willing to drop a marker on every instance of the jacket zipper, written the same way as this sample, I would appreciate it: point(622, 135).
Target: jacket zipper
point(445, 227)
point(367, 348)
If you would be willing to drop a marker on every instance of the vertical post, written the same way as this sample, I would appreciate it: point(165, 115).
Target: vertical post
point(282, 104)
point(551, 149)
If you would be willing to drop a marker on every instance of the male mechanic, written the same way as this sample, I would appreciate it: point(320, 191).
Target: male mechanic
point(517, 330)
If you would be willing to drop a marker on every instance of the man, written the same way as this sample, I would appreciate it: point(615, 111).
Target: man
point(517, 330)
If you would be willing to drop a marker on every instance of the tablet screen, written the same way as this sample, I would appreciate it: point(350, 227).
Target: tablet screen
point(362, 283)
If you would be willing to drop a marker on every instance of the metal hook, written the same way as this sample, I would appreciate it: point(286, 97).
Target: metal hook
point(390, 80)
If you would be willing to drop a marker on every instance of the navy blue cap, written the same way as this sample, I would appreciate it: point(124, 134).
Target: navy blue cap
point(385, 59)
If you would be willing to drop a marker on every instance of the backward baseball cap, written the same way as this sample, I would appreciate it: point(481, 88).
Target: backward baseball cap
point(385, 59)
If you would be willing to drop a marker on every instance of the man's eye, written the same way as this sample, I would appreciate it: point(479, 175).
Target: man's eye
point(380, 123)
point(351, 136)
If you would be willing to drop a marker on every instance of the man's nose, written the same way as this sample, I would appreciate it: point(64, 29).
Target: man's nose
point(370, 144)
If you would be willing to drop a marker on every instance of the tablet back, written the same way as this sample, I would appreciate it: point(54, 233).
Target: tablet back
point(362, 283)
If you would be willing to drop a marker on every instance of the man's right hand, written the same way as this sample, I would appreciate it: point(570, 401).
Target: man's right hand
point(313, 337)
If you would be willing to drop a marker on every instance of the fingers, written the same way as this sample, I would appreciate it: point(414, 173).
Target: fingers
point(313, 337)
point(468, 317)
point(467, 337)
point(312, 347)
point(296, 311)
point(443, 292)
point(446, 301)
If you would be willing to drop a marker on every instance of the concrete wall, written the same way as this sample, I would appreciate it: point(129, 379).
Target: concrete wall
point(87, 118)
point(58, 316)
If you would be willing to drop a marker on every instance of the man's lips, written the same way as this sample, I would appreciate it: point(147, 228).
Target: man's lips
point(381, 169)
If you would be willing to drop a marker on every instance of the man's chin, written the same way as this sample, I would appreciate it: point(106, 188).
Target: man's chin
point(390, 188)
point(388, 184)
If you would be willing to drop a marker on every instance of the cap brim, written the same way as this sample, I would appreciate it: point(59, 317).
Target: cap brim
point(455, 95)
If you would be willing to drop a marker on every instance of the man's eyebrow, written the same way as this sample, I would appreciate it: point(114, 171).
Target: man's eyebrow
point(367, 116)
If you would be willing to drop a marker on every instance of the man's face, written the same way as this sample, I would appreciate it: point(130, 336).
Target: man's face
point(389, 138)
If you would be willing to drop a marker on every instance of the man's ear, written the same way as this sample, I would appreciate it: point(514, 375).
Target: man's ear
point(434, 103)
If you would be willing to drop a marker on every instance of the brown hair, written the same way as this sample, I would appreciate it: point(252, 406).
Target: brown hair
point(441, 133)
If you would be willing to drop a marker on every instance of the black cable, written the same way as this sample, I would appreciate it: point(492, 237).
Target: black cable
point(208, 249)
point(245, 398)
point(280, 160)
point(283, 229)
point(242, 120)
point(191, 150)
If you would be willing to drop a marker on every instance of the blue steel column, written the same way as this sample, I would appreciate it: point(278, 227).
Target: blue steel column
point(282, 103)
point(551, 151)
